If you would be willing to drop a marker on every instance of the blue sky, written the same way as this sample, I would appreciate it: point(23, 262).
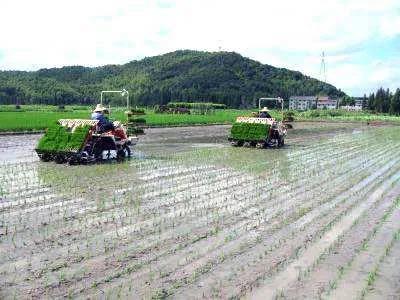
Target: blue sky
point(361, 39)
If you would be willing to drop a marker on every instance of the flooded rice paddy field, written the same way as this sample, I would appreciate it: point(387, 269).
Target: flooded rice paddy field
point(192, 217)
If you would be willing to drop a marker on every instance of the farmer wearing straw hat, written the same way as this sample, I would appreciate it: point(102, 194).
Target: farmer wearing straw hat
point(98, 114)
point(264, 113)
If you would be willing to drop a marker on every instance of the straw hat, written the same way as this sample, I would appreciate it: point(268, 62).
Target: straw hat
point(264, 109)
point(99, 108)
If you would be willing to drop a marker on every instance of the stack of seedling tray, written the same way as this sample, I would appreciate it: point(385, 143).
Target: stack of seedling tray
point(135, 122)
point(249, 131)
point(60, 139)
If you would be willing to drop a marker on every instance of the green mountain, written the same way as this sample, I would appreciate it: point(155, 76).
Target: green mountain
point(184, 75)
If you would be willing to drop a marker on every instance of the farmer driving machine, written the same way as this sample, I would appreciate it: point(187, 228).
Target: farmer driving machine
point(80, 141)
point(260, 130)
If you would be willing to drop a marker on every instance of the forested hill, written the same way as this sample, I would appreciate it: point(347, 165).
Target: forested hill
point(185, 75)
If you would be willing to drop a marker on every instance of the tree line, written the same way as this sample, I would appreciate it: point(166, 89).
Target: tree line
point(185, 75)
point(384, 101)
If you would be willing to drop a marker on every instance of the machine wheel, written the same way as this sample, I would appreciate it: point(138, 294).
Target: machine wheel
point(60, 159)
point(281, 142)
point(45, 157)
point(73, 160)
point(260, 145)
point(128, 151)
point(247, 144)
point(237, 143)
point(123, 153)
point(80, 158)
point(97, 151)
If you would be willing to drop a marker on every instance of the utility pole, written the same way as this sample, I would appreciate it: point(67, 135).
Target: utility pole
point(322, 69)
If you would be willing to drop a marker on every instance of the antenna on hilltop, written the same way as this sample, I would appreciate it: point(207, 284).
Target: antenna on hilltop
point(220, 50)
point(322, 68)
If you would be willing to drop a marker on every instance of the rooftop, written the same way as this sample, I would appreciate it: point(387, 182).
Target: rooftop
point(309, 98)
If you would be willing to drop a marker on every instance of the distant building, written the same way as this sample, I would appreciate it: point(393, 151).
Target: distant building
point(312, 102)
point(302, 102)
point(351, 107)
point(359, 103)
point(326, 102)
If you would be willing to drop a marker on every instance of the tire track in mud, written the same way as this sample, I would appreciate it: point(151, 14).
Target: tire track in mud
point(311, 254)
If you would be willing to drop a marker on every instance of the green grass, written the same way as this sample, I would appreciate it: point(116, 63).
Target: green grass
point(340, 115)
point(39, 117)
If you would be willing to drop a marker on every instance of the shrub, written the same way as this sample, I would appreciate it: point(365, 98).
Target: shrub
point(334, 113)
point(135, 130)
point(314, 114)
point(288, 116)
point(196, 105)
point(137, 120)
point(135, 111)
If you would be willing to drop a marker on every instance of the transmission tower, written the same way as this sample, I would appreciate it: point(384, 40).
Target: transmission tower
point(322, 69)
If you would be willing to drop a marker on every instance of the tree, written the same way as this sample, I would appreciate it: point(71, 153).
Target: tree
point(371, 102)
point(395, 103)
point(223, 77)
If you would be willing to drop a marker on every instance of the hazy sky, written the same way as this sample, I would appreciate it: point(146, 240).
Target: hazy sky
point(361, 38)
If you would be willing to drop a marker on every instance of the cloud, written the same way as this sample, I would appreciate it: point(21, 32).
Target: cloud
point(290, 34)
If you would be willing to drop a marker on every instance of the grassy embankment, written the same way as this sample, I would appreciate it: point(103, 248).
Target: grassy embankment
point(32, 118)
point(38, 118)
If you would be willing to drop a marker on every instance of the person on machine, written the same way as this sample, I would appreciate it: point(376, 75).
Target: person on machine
point(104, 124)
point(264, 113)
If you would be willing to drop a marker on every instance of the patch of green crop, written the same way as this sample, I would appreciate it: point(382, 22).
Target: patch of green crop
point(136, 120)
point(249, 131)
point(59, 139)
point(135, 130)
point(135, 123)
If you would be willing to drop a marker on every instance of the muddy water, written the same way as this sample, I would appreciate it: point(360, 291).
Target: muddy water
point(190, 216)
point(168, 141)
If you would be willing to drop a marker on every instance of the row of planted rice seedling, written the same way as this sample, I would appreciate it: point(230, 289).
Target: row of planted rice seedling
point(188, 219)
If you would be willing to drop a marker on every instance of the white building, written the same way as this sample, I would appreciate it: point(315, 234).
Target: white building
point(326, 102)
point(351, 107)
point(359, 103)
point(302, 102)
